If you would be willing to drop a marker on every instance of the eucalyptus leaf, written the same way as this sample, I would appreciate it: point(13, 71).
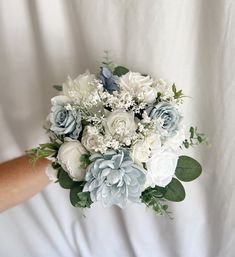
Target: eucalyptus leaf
point(58, 87)
point(120, 70)
point(174, 191)
point(187, 169)
point(64, 180)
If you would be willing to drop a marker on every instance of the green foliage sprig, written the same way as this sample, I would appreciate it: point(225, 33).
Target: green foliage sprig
point(153, 197)
point(43, 151)
point(177, 93)
point(195, 138)
point(187, 169)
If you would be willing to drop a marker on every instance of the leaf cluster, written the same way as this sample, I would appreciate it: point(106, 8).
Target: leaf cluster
point(177, 93)
point(78, 198)
point(195, 138)
point(43, 151)
point(187, 169)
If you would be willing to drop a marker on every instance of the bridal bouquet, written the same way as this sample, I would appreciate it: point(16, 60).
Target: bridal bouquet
point(116, 138)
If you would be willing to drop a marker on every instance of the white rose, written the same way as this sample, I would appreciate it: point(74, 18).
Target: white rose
point(69, 158)
point(90, 138)
point(80, 88)
point(139, 86)
point(51, 173)
point(161, 168)
point(120, 124)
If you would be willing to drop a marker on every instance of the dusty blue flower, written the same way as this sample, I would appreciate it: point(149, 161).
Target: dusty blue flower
point(113, 178)
point(108, 80)
point(168, 118)
point(64, 120)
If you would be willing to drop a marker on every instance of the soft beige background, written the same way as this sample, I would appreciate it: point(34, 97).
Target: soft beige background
point(190, 42)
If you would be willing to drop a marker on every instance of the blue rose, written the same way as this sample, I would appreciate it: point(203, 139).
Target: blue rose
point(108, 80)
point(64, 120)
point(168, 118)
point(113, 178)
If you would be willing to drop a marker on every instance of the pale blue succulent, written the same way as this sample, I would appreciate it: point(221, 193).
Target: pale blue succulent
point(168, 118)
point(113, 178)
point(65, 122)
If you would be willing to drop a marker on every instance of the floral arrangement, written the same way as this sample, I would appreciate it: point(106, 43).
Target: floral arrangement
point(116, 138)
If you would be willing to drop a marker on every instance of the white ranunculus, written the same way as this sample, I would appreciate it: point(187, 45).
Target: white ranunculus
point(147, 94)
point(51, 173)
point(90, 138)
point(81, 88)
point(140, 152)
point(153, 141)
point(163, 88)
point(139, 86)
point(120, 124)
point(69, 158)
point(161, 168)
point(173, 143)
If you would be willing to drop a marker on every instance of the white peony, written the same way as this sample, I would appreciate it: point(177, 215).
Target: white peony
point(161, 168)
point(139, 86)
point(90, 138)
point(120, 124)
point(69, 158)
point(51, 173)
point(81, 88)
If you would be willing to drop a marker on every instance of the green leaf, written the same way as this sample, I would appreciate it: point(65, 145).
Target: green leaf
point(120, 70)
point(78, 198)
point(58, 87)
point(174, 191)
point(84, 161)
point(64, 180)
point(199, 138)
point(191, 130)
point(186, 143)
point(174, 88)
point(187, 169)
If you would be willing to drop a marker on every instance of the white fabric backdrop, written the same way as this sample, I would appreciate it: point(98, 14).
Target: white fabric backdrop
point(189, 42)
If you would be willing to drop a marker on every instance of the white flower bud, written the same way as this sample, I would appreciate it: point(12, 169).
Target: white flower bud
point(69, 158)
